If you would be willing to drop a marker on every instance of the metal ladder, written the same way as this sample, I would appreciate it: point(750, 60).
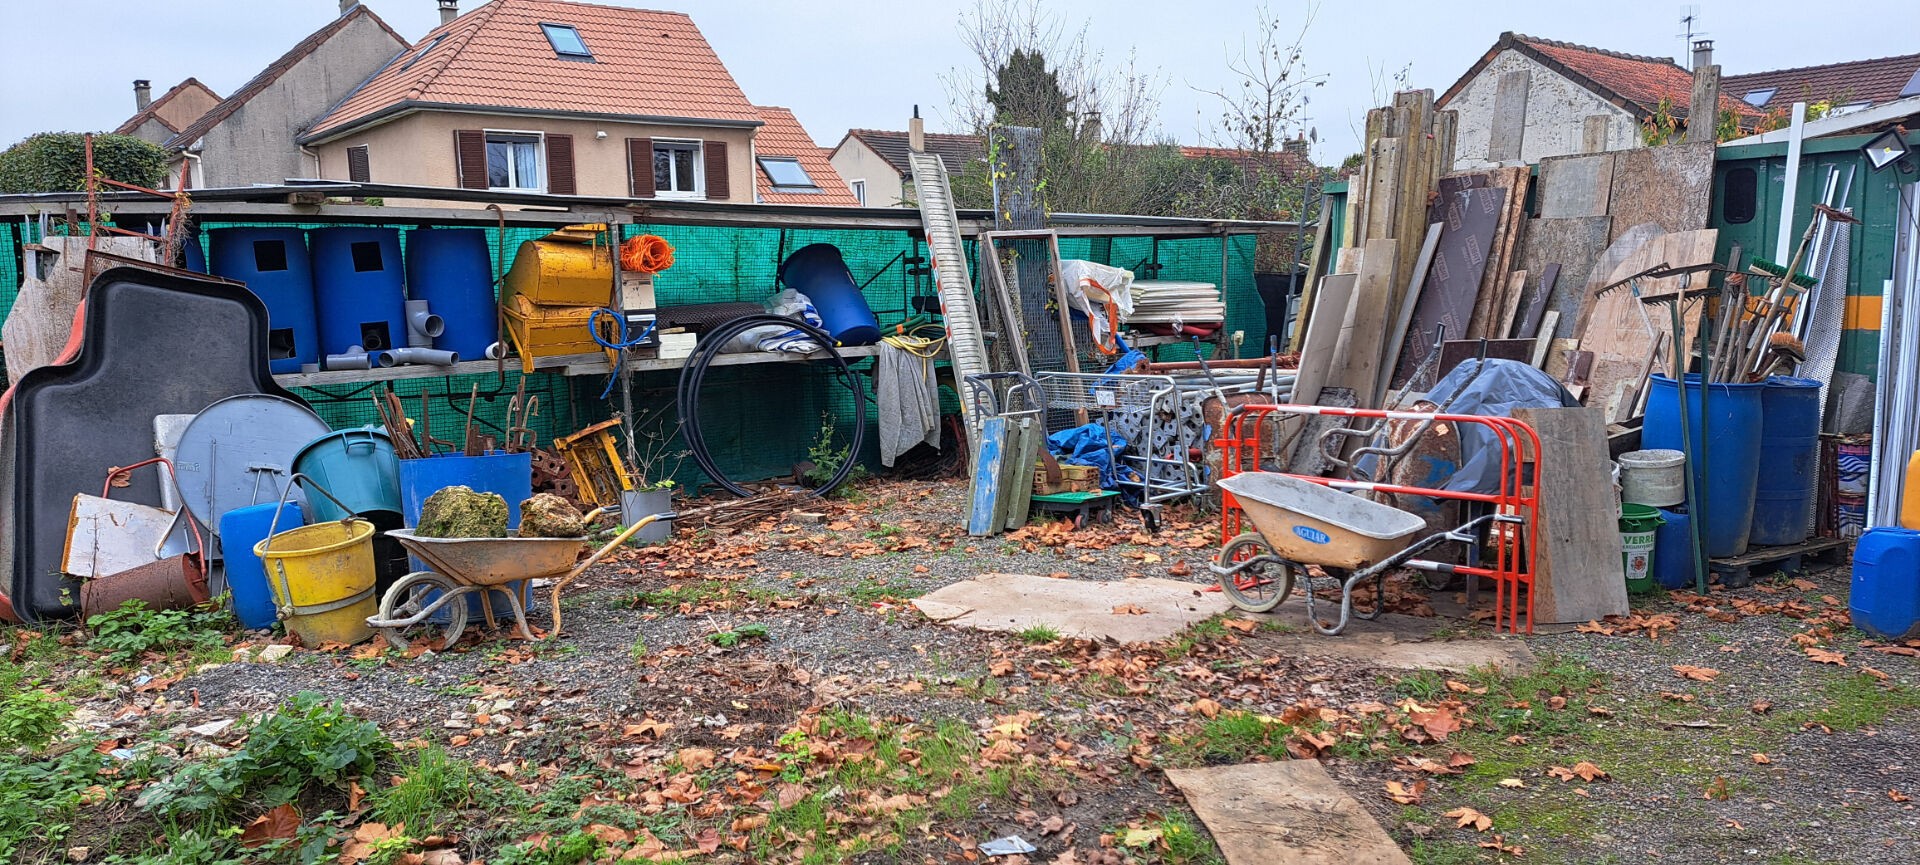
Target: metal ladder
point(965, 345)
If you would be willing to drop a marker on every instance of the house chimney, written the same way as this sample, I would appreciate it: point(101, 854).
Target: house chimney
point(917, 132)
point(1090, 128)
point(1297, 144)
point(1703, 104)
point(142, 94)
point(449, 10)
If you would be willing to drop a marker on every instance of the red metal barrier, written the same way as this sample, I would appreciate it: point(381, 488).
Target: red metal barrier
point(1515, 555)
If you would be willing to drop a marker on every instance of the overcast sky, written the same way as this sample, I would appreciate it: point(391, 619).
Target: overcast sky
point(865, 63)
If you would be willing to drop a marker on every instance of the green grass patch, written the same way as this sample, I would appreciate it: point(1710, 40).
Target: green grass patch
point(1039, 634)
point(745, 633)
point(675, 595)
point(431, 790)
point(870, 590)
point(1202, 633)
point(1853, 702)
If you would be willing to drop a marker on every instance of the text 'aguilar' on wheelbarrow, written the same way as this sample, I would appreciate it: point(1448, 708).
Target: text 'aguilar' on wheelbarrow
point(462, 565)
point(1299, 523)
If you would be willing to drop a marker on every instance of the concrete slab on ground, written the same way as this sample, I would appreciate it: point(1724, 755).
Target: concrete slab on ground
point(1290, 811)
point(1150, 609)
point(1399, 642)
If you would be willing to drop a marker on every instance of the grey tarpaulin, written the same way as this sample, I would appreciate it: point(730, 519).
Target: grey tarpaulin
point(1504, 386)
point(909, 402)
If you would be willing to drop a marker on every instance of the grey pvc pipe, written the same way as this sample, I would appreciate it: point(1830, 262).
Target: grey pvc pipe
point(430, 356)
point(422, 325)
point(354, 358)
point(496, 351)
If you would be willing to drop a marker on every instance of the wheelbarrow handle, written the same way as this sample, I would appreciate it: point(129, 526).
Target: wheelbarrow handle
point(594, 559)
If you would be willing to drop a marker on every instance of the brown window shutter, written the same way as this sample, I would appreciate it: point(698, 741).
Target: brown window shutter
point(640, 167)
point(357, 170)
point(560, 164)
point(716, 154)
point(470, 158)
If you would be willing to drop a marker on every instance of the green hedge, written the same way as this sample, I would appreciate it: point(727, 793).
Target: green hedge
point(57, 162)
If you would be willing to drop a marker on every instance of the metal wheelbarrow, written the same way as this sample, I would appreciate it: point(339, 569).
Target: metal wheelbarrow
point(462, 565)
point(1298, 523)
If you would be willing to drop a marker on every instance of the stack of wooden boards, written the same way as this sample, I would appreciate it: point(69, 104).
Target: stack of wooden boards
point(1425, 253)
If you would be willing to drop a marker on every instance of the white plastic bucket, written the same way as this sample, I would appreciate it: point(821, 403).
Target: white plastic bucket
point(1653, 477)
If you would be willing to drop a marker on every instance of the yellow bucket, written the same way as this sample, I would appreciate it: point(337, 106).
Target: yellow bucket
point(322, 580)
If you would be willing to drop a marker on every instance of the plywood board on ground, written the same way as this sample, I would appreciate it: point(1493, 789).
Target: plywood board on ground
point(1579, 575)
point(1289, 812)
point(1622, 329)
point(1574, 244)
point(1126, 611)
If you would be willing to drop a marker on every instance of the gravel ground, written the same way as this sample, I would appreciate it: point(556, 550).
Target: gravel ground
point(841, 633)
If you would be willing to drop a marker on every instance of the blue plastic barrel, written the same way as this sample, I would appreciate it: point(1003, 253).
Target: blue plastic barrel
point(358, 467)
point(508, 475)
point(1673, 551)
point(241, 529)
point(1790, 450)
point(1731, 445)
point(1886, 583)
point(450, 269)
point(273, 262)
point(819, 272)
point(357, 280)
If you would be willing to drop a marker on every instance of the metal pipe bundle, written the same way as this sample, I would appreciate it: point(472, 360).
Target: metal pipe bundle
point(1896, 412)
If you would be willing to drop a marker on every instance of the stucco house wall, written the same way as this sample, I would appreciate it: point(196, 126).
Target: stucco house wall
point(418, 149)
point(853, 160)
point(1556, 113)
point(255, 144)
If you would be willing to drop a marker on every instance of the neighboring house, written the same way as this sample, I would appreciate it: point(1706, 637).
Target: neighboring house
point(1846, 87)
point(1528, 98)
point(554, 97)
point(789, 168)
point(156, 120)
point(1291, 160)
point(874, 162)
point(251, 136)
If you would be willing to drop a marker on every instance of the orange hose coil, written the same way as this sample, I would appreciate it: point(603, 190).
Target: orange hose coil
point(646, 253)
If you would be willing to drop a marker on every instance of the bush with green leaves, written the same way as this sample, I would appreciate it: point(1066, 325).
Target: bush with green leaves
point(125, 634)
point(308, 741)
point(57, 162)
point(30, 719)
point(40, 798)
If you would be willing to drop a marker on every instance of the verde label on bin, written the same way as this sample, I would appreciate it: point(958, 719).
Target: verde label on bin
point(1311, 534)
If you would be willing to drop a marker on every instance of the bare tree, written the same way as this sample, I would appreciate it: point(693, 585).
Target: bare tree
point(1268, 105)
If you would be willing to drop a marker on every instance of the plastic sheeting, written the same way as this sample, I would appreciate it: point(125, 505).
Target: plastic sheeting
point(1086, 445)
point(1495, 392)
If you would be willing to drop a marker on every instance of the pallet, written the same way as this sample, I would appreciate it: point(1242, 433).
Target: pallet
point(1737, 571)
point(1097, 505)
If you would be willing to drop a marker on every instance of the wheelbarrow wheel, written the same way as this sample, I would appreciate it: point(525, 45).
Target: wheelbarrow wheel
point(413, 593)
point(1258, 587)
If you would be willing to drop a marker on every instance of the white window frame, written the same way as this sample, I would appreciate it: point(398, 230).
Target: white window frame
point(859, 189)
point(699, 148)
point(539, 155)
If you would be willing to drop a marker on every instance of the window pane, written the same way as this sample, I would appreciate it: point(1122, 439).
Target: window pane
point(497, 163)
point(662, 170)
point(565, 40)
point(683, 170)
point(526, 165)
point(785, 172)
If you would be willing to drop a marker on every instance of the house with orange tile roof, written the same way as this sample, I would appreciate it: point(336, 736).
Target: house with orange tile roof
point(562, 98)
point(873, 162)
point(1846, 87)
point(789, 168)
point(1528, 98)
point(250, 136)
point(156, 120)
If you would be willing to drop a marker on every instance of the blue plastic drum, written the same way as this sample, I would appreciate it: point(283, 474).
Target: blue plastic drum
point(357, 286)
point(273, 262)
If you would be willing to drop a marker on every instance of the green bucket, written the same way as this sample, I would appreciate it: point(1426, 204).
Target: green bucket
point(1638, 524)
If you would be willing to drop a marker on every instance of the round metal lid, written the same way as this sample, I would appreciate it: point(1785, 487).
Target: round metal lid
point(240, 451)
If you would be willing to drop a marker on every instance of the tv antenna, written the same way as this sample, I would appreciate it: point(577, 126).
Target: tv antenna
point(1689, 18)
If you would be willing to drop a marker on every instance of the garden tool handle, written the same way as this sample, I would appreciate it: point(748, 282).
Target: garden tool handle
point(594, 559)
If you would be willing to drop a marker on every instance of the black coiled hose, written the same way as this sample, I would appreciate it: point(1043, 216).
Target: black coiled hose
point(693, 375)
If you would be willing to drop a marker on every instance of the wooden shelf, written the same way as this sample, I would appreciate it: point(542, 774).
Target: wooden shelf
point(392, 373)
point(600, 366)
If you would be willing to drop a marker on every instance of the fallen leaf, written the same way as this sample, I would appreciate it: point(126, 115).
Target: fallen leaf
point(1804, 585)
point(1875, 673)
point(354, 794)
point(279, 823)
point(1405, 795)
point(1760, 707)
point(1242, 625)
point(1140, 837)
point(1468, 817)
point(695, 759)
point(1761, 759)
point(1129, 610)
point(1824, 656)
point(1676, 696)
point(1512, 782)
point(1717, 790)
point(749, 823)
point(1206, 707)
point(1500, 844)
point(1698, 674)
point(1898, 796)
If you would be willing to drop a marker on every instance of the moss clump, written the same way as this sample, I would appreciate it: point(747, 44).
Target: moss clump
point(549, 516)
point(459, 512)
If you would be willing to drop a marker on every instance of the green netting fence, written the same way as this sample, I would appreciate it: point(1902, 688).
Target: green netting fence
point(759, 419)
